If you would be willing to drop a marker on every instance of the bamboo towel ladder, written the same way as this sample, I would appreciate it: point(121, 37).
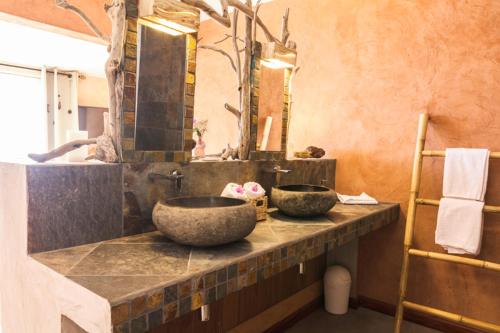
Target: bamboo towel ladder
point(408, 240)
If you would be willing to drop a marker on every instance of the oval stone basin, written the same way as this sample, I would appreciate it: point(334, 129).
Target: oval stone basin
point(204, 221)
point(303, 200)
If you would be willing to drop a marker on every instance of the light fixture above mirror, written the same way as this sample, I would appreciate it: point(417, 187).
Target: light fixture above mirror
point(277, 56)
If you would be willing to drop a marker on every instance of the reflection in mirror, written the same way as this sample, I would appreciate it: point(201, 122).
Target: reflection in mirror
point(215, 86)
point(269, 128)
point(160, 92)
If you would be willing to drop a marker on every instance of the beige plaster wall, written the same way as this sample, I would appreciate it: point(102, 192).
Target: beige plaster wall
point(93, 92)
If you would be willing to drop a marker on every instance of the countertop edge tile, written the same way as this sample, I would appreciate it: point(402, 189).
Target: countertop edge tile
point(251, 261)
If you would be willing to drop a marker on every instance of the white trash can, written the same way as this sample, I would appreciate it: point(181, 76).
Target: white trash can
point(337, 283)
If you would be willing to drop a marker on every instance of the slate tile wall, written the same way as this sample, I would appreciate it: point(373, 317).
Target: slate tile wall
point(71, 205)
point(208, 178)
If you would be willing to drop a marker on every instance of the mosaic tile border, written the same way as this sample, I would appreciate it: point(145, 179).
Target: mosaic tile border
point(254, 110)
point(129, 154)
point(162, 305)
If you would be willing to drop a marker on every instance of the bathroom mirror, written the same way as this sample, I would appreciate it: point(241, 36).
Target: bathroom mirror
point(272, 67)
point(160, 66)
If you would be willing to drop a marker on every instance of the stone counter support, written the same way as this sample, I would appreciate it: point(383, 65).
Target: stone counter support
point(33, 296)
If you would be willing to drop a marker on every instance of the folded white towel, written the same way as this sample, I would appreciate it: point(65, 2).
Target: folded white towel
point(460, 225)
point(233, 190)
point(460, 218)
point(465, 173)
point(362, 199)
point(254, 190)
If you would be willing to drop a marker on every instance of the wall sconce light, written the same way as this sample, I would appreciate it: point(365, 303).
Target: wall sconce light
point(159, 27)
point(277, 56)
point(169, 17)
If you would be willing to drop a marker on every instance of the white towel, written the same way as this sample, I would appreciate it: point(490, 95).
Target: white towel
point(460, 217)
point(466, 173)
point(253, 190)
point(460, 225)
point(233, 190)
point(362, 199)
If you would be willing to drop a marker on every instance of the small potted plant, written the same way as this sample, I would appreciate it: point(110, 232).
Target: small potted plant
point(200, 128)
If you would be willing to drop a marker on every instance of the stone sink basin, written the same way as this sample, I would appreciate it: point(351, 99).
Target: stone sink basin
point(303, 200)
point(204, 221)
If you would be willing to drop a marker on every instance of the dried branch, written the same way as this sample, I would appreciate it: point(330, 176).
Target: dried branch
point(233, 110)
point(221, 51)
point(60, 151)
point(254, 25)
point(248, 11)
point(229, 152)
point(285, 34)
point(65, 5)
point(226, 37)
point(245, 120)
point(238, 58)
point(224, 18)
point(291, 45)
point(114, 72)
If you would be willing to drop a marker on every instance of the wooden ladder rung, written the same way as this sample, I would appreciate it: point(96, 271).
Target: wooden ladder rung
point(455, 259)
point(430, 202)
point(442, 153)
point(452, 317)
point(420, 152)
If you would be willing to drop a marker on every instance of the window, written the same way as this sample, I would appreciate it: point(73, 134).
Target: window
point(23, 127)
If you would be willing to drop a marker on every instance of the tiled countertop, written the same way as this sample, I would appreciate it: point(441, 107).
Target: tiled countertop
point(149, 280)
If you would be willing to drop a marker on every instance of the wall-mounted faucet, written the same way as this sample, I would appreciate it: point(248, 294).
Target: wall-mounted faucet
point(174, 176)
point(278, 171)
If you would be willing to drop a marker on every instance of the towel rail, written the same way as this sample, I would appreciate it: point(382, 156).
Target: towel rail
point(452, 317)
point(456, 259)
point(408, 251)
point(430, 202)
point(442, 153)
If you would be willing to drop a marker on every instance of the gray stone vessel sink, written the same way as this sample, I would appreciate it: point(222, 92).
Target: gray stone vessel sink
point(204, 221)
point(303, 200)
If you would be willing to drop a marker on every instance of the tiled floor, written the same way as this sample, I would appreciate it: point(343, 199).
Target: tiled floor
point(356, 321)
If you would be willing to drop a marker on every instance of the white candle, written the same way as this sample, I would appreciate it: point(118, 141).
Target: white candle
point(265, 134)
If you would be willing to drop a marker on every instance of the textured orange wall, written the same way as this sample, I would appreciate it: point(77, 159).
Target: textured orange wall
point(45, 11)
point(368, 68)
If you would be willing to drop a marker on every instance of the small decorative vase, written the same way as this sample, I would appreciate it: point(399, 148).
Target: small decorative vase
point(199, 150)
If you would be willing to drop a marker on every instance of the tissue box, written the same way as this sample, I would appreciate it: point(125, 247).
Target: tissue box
point(261, 207)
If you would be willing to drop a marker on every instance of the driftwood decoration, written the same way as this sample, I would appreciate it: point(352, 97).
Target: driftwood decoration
point(114, 72)
point(108, 144)
point(64, 4)
point(61, 150)
point(229, 152)
point(243, 70)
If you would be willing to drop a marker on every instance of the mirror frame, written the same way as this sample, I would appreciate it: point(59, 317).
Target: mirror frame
point(255, 78)
point(129, 105)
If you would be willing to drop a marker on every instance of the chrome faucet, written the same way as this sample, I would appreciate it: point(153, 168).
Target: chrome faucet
point(278, 171)
point(174, 176)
